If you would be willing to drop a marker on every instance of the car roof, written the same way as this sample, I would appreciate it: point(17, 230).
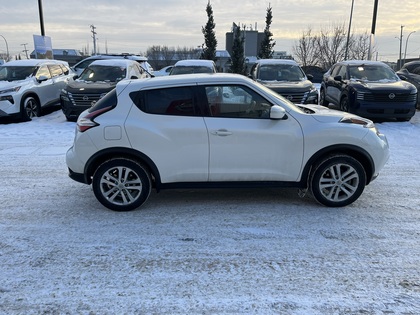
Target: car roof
point(33, 62)
point(277, 61)
point(113, 62)
point(116, 56)
point(361, 62)
point(195, 62)
point(186, 79)
point(415, 62)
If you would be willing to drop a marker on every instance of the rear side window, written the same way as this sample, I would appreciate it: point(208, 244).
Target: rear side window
point(55, 70)
point(178, 101)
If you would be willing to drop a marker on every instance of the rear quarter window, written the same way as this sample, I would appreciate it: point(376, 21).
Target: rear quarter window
point(109, 100)
point(178, 101)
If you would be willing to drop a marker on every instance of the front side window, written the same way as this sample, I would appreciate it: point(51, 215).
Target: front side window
point(343, 72)
point(43, 72)
point(235, 101)
point(335, 70)
point(178, 101)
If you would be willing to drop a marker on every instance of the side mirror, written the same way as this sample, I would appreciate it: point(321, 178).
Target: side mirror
point(42, 78)
point(133, 77)
point(338, 78)
point(310, 77)
point(277, 112)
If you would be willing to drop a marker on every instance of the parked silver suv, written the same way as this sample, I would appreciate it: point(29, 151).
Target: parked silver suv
point(27, 86)
point(219, 130)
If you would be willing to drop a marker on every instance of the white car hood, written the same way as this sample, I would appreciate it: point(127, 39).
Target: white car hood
point(324, 114)
point(6, 84)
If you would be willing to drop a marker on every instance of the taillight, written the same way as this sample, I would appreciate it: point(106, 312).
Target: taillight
point(86, 122)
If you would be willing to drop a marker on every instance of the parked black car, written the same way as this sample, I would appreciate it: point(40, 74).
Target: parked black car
point(411, 72)
point(286, 78)
point(100, 77)
point(370, 89)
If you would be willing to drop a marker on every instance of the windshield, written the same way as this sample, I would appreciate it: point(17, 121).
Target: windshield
point(372, 73)
point(95, 73)
point(15, 73)
point(281, 73)
point(190, 69)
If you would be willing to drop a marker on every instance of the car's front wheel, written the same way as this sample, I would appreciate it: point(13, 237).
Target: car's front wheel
point(344, 104)
point(30, 108)
point(322, 100)
point(121, 184)
point(338, 180)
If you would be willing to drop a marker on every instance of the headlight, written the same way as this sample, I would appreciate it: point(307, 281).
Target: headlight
point(313, 89)
point(11, 90)
point(358, 121)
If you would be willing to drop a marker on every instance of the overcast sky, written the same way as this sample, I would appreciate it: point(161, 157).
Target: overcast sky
point(133, 25)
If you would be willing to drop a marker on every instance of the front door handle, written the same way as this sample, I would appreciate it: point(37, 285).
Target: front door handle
point(221, 132)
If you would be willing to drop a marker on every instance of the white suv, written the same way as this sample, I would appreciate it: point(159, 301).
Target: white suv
point(27, 86)
point(219, 130)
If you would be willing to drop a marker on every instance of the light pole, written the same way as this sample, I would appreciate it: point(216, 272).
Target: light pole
point(401, 39)
point(348, 33)
point(406, 43)
point(7, 48)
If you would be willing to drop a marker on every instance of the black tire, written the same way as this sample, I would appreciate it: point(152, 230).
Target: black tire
point(121, 184)
point(338, 180)
point(30, 108)
point(322, 100)
point(344, 104)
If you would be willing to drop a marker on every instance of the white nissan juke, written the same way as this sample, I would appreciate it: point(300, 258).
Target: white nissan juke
point(219, 130)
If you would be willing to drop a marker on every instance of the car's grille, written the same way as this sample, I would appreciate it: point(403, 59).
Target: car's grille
point(294, 97)
point(84, 99)
point(387, 97)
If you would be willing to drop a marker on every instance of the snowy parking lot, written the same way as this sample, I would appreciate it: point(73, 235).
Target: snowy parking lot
point(250, 251)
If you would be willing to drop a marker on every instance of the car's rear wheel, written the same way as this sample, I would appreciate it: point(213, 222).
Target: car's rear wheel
point(30, 108)
point(121, 184)
point(322, 100)
point(338, 180)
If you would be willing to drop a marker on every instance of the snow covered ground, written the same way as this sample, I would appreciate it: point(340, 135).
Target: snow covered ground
point(203, 251)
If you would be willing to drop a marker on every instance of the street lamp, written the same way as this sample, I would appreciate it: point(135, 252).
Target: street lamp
point(406, 43)
point(7, 48)
point(348, 33)
point(401, 39)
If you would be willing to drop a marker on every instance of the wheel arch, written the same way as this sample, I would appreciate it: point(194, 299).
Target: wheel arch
point(28, 94)
point(356, 152)
point(120, 152)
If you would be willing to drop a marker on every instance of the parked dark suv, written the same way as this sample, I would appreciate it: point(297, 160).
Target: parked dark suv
point(286, 78)
point(370, 89)
point(410, 72)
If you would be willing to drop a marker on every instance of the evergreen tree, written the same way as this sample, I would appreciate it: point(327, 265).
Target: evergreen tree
point(210, 42)
point(267, 44)
point(238, 56)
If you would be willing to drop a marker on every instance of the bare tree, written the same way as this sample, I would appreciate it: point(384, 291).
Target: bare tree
point(187, 53)
point(160, 56)
point(359, 48)
point(331, 45)
point(305, 49)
